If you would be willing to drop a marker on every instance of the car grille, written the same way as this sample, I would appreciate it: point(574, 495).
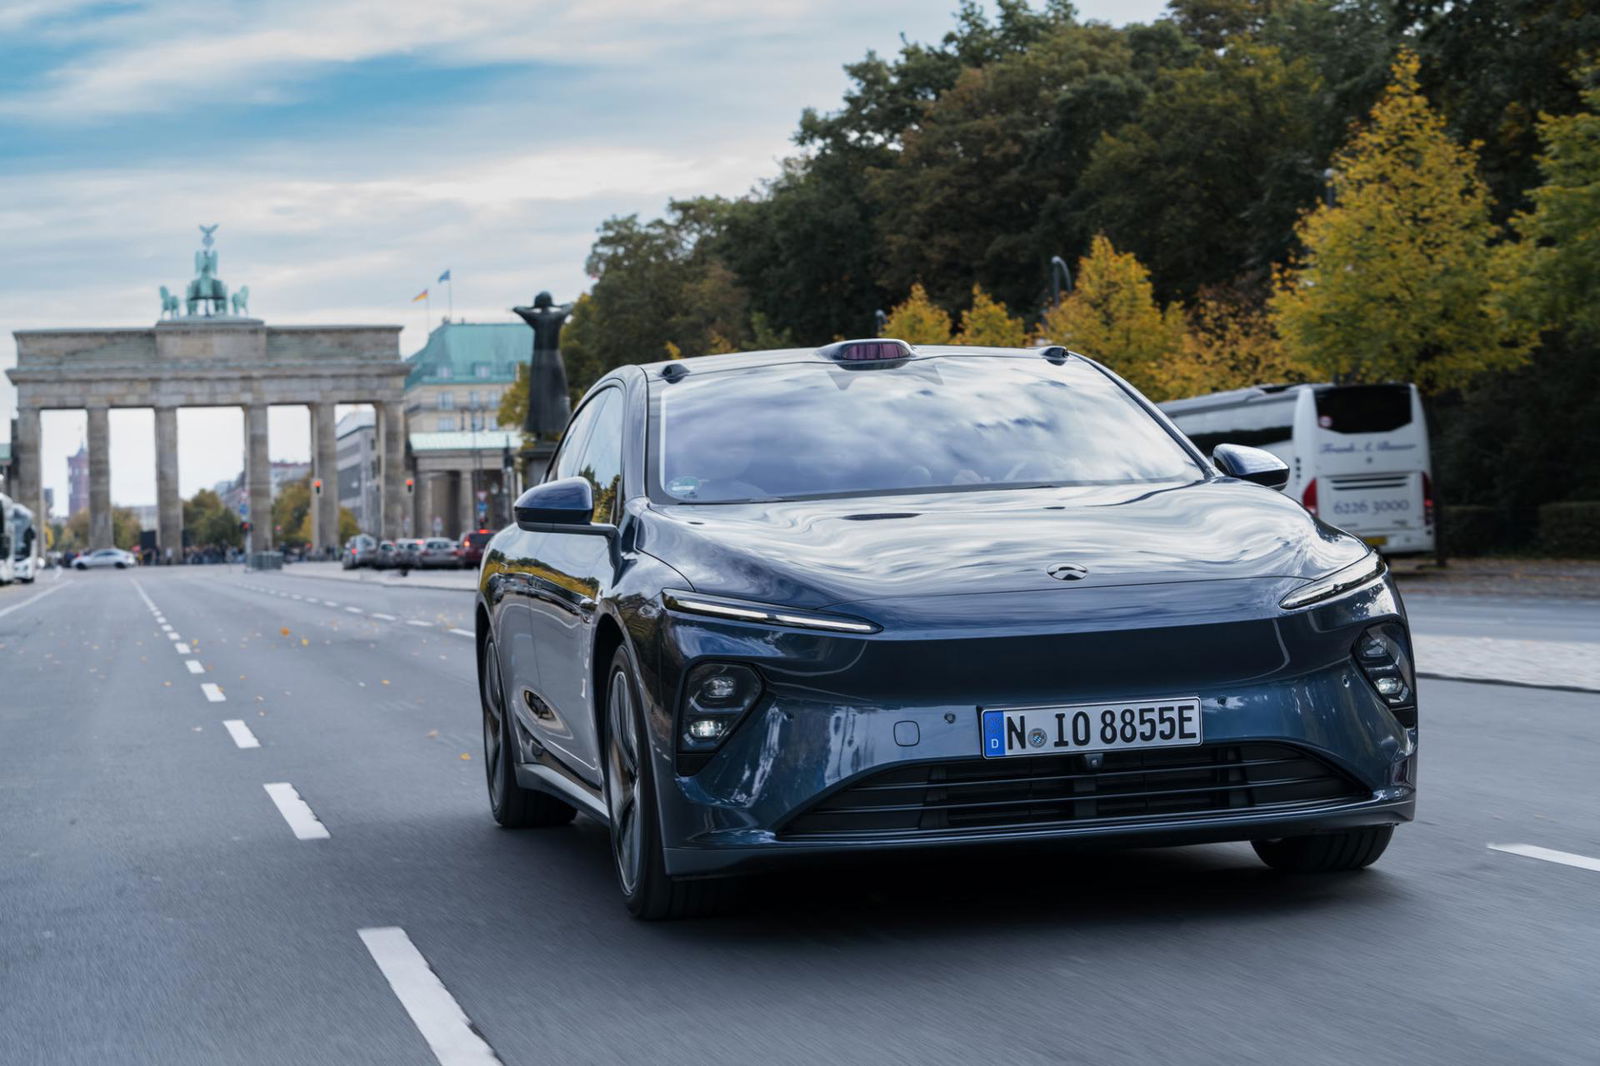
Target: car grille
point(1060, 790)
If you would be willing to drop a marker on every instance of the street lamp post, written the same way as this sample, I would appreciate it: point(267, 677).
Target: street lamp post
point(1060, 280)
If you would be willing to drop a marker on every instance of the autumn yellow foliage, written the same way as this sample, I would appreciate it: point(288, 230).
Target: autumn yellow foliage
point(919, 320)
point(1112, 316)
point(1227, 345)
point(987, 323)
point(1397, 276)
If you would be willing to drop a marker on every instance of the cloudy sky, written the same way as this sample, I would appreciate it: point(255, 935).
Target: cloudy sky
point(353, 149)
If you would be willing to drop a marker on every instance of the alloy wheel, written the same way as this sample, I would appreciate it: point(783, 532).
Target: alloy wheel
point(622, 780)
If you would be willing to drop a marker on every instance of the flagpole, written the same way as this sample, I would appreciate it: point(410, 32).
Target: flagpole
point(450, 290)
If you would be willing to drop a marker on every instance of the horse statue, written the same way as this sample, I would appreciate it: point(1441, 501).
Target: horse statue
point(241, 301)
point(207, 287)
point(169, 304)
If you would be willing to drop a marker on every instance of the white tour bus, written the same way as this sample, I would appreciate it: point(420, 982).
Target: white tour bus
point(1358, 454)
point(8, 570)
point(25, 555)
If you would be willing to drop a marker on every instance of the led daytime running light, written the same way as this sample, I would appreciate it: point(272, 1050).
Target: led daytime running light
point(687, 601)
point(1367, 569)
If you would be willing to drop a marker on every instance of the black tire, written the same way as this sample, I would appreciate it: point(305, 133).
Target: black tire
point(79, 566)
point(647, 890)
point(1324, 853)
point(122, 566)
point(513, 806)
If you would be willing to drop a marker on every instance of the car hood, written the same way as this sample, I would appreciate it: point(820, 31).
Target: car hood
point(817, 553)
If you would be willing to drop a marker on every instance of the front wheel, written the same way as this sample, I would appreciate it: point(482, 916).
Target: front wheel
point(647, 890)
point(1323, 853)
point(512, 805)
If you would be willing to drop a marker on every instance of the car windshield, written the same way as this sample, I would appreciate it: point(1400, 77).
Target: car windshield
point(928, 425)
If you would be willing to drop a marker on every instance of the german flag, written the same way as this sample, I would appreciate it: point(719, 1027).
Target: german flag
point(423, 295)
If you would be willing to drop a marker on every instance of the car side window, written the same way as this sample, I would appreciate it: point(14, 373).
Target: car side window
point(569, 457)
point(602, 456)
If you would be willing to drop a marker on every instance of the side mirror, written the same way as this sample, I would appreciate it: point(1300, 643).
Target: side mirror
point(564, 506)
point(1251, 464)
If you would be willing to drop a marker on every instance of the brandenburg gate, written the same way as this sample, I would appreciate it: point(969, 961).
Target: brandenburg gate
point(200, 355)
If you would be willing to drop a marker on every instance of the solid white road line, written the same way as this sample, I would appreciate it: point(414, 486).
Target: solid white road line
point(434, 1011)
point(194, 666)
point(296, 812)
point(183, 649)
point(463, 632)
point(241, 734)
point(31, 599)
point(385, 617)
point(213, 693)
point(418, 622)
point(1565, 858)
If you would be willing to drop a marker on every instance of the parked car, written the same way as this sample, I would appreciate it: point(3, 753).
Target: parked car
point(438, 553)
point(407, 552)
point(384, 557)
point(106, 557)
point(929, 598)
point(359, 550)
point(472, 545)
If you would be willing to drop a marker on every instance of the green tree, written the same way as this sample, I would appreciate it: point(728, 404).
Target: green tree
point(1112, 316)
point(1554, 270)
point(988, 323)
point(348, 526)
point(1397, 275)
point(918, 320)
point(210, 522)
point(291, 512)
point(1206, 184)
point(125, 529)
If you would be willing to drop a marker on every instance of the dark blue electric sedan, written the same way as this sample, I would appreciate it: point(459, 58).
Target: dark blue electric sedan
point(791, 604)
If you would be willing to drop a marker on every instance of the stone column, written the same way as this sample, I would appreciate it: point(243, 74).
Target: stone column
point(325, 465)
point(466, 517)
point(30, 472)
point(392, 429)
point(169, 505)
point(99, 479)
point(422, 517)
point(258, 476)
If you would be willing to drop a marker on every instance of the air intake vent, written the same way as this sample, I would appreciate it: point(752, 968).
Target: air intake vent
point(1059, 790)
point(1363, 482)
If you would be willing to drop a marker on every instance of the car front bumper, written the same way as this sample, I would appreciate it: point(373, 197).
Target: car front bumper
point(1282, 686)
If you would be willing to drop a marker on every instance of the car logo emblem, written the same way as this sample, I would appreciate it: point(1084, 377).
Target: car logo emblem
point(1068, 572)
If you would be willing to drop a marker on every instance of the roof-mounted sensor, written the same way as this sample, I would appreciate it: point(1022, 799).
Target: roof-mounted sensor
point(876, 350)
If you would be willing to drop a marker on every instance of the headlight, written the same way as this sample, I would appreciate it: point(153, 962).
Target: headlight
point(1366, 569)
point(743, 611)
point(715, 697)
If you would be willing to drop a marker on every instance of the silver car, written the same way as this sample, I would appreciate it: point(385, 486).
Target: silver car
point(438, 553)
point(106, 557)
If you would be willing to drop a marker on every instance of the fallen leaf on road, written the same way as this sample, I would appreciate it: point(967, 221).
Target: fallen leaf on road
point(304, 642)
point(464, 755)
point(433, 732)
point(386, 682)
point(167, 683)
point(284, 631)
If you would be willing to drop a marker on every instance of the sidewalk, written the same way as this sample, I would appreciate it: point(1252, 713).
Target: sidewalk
point(452, 580)
point(1502, 576)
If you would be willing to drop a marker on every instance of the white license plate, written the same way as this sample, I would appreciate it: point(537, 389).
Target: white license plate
point(1169, 722)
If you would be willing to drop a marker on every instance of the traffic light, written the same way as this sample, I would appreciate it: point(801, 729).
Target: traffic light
point(244, 527)
point(411, 486)
point(316, 487)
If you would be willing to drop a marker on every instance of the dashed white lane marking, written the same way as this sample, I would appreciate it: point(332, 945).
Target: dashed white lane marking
point(385, 617)
point(31, 599)
point(355, 610)
point(148, 602)
point(434, 1011)
point(463, 632)
point(241, 734)
point(173, 636)
point(296, 596)
point(1565, 858)
point(418, 622)
point(183, 649)
point(329, 603)
point(166, 628)
point(213, 693)
point(194, 666)
point(296, 812)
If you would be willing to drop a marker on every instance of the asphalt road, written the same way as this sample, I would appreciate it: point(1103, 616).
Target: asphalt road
point(156, 906)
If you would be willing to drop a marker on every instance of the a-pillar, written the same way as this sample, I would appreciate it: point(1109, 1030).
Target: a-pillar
point(392, 426)
point(325, 456)
point(29, 468)
point(99, 479)
point(258, 476)
point(169, 505)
